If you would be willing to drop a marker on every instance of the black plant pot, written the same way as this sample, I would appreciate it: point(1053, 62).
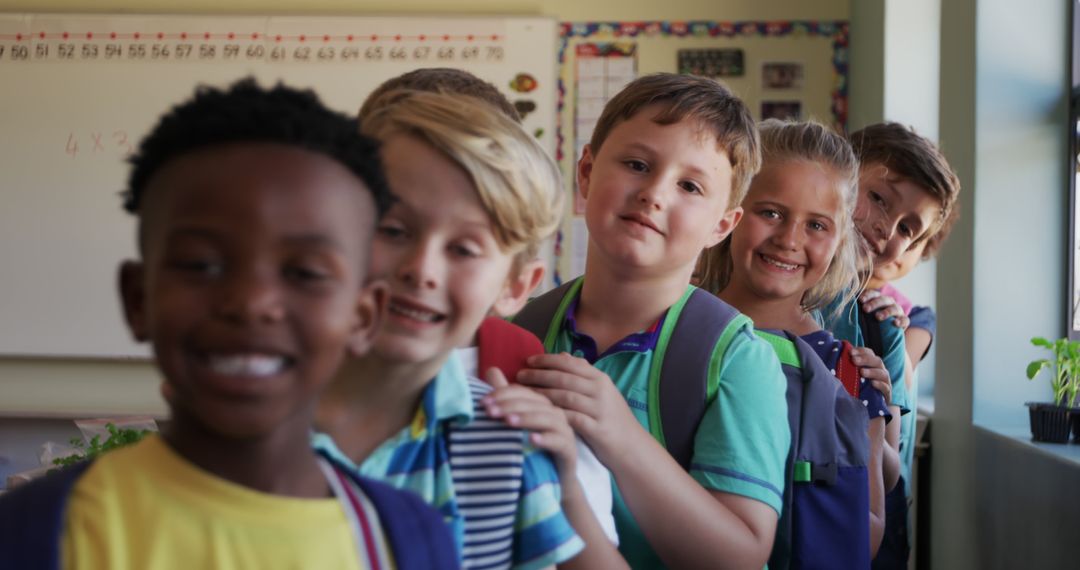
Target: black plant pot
point(1049, 422)
point(1074, 419)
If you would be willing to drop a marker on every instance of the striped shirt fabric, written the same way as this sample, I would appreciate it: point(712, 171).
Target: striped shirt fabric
point(498, 494)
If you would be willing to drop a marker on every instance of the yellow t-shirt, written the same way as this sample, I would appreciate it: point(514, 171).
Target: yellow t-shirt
point(146, 508)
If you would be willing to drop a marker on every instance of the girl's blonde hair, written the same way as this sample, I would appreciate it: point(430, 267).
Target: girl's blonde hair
point(812, 142)
point(518, 183)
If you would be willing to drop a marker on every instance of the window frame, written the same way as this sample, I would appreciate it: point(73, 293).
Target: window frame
point(1073, 296)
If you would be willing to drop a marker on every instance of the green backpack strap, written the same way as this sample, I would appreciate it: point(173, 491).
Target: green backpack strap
point(685, 373)
point(544, 315)
point(801, 471)
point(784, 348)
point(689, 353)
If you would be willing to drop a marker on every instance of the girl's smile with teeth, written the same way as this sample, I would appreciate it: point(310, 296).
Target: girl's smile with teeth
point(777, 263)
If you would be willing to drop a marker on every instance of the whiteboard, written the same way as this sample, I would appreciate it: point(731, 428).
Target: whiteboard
point(78, 92)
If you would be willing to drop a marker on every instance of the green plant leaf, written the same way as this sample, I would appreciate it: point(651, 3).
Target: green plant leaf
point(1040, 341)
point(1035, 367)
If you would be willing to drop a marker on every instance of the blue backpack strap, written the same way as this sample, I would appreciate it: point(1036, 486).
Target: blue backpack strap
point(416, 533)
point(685, 373)
point(487, 458)
point(543, 315)
point(32, 520)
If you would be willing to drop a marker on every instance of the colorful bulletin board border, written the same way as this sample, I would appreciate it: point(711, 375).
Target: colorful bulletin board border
point(837, 31)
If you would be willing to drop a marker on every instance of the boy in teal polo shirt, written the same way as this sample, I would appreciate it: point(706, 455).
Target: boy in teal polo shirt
point(669, 161)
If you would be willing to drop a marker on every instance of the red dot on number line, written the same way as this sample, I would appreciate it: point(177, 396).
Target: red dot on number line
point(231, 35)
point(326, 38)
point(397, 38)
point(446, 38)
point(112, 35)
point(494, 37)
point(89, 35)
point(183, 35)
point(374, 37)
point(254, 36)
point(349, 37)
point(206, 36)
point(65, 35)
point(18, 37)
point(160, 35)
point(422, 37)
point(470, 37)
point(136, 35)
point(41, 35)
point(302, 37)
point(277, 38)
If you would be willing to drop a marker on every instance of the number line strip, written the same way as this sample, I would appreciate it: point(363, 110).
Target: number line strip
point(255, 36)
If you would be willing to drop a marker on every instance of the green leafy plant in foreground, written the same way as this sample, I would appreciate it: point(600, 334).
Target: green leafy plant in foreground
point(118, 437)
point(1065, 365)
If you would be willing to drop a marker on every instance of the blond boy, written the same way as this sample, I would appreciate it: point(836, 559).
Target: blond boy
point(475, 195)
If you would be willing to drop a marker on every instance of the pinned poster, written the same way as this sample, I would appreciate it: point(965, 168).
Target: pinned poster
point(603, 69)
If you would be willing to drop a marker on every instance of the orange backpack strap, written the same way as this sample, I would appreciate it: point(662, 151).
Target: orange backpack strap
point(846, 370)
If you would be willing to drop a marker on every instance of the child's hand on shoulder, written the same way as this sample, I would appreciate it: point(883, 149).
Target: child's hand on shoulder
point(527, 409)
point(872, 368)
point(883, 307)
point(593, 405)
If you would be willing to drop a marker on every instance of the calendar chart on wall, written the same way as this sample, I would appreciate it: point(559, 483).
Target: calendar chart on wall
point(79, 92)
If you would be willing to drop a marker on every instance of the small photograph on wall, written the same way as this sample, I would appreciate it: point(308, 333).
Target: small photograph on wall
point(783, 110)
point(783, 75)
point(714, 63)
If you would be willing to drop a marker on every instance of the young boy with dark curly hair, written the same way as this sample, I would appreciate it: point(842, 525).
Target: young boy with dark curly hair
point(256, 211)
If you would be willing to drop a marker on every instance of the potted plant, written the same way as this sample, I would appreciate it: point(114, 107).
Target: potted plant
point(1050, 422)
point(118, 437)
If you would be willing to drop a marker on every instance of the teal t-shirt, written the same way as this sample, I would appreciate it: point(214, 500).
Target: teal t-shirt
point(845, 326)
point(742, 441)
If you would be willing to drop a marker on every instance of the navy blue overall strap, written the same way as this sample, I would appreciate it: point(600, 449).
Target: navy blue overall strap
point(415, 531)
point(871, 333)
point(487, 459)
point(32, 520)
point(690, 351)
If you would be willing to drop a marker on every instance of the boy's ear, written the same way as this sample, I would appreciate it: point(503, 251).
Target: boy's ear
point(518, 287)
point(370, 311)
point(133, 298)
point(725, 226)
point(584, 171)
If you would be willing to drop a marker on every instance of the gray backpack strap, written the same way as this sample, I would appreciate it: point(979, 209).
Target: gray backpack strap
point(828, 431)
point(486, 463)
point(542, 315)
point(692, 344)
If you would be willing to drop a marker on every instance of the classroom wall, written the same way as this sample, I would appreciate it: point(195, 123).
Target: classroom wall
point(564, 10)
point(895, 69)
point(131, 387)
